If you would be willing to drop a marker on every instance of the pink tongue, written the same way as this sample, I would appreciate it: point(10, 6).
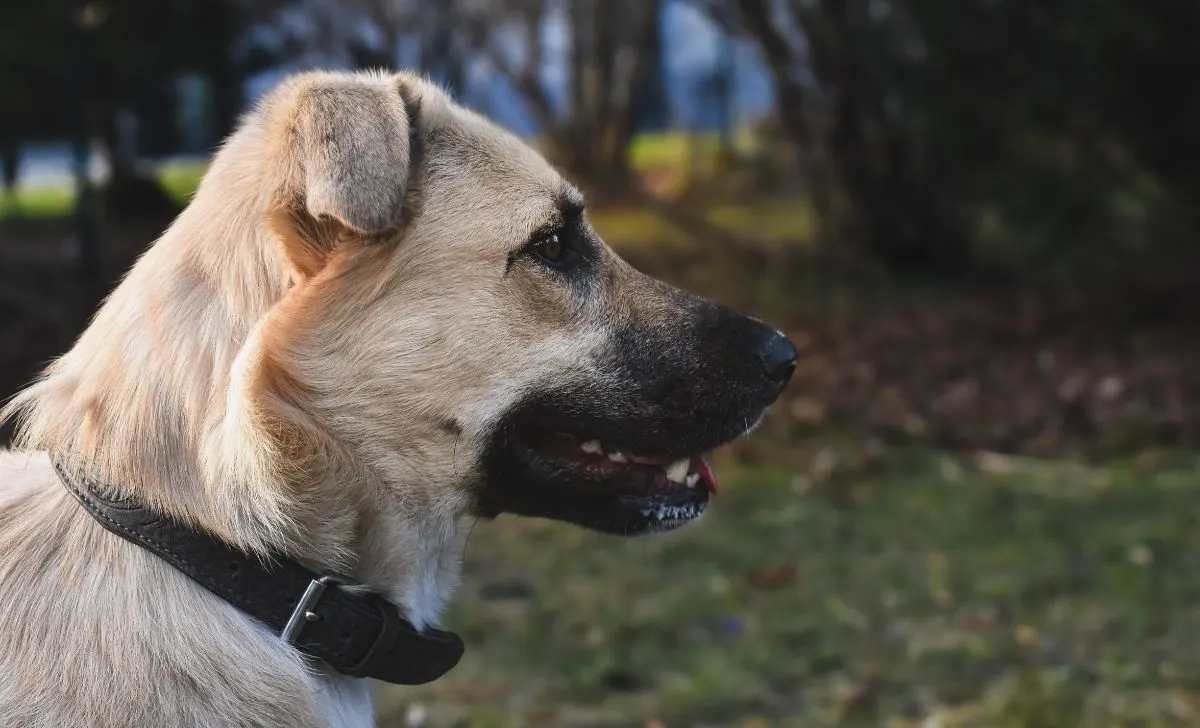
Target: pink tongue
point(700, 465)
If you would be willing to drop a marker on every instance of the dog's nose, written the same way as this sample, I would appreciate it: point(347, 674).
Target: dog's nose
point(778, 358)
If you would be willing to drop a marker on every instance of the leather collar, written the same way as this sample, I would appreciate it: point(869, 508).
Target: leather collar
point(355, 633)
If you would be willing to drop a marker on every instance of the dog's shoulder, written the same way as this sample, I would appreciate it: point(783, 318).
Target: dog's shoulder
point(99, 632)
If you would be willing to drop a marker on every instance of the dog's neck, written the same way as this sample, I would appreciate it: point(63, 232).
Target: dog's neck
point(162, 397)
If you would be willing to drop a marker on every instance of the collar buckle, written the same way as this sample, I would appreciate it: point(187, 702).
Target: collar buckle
point(302, 613)
point(352, 630)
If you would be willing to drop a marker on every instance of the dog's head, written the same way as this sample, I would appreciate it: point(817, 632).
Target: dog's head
point(458, 325)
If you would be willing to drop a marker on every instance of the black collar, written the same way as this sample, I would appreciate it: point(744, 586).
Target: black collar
point(357, 634)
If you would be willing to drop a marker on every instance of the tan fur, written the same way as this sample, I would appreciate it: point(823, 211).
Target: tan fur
point(306, 360)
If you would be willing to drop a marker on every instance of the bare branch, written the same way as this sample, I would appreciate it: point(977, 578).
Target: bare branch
point(791, 99)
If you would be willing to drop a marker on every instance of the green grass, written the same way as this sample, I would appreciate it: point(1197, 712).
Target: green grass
point(38, 203)
point(862, 590)
point(667, 149)
point(179, 180)
point(773, 221)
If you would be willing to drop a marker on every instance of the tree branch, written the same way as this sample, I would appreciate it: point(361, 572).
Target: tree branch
point(791, 99)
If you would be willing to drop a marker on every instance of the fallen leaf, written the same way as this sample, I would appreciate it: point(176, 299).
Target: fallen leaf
point(775, 577)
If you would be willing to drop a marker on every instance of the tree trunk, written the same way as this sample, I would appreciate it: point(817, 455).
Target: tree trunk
point(10, 166)
point(798, 120)
point(896, 217)
point(865, 191)
point(635, 65)
point(615, 54)
point(128, 195)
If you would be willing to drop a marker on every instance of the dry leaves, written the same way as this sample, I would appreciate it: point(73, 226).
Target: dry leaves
point(1046, 374)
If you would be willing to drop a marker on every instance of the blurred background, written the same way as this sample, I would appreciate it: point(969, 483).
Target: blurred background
point(976, 504)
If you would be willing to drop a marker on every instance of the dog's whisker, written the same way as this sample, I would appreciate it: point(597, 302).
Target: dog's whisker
point(454, 455)
point(467, 541)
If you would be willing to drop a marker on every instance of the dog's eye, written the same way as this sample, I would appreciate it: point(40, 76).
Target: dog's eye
point(551, 250)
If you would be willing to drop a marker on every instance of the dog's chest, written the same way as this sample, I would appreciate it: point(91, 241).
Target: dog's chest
point(349, 702)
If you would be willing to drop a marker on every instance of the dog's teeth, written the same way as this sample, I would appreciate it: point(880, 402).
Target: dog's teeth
point(592, 446)
point(617, 457)
point(692, 479)
point(678, 470)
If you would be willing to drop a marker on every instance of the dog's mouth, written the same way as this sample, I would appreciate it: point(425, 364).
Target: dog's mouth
point(592, 462)
point(599, 485)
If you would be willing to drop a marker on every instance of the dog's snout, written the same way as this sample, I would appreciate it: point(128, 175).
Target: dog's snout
point(777, 355)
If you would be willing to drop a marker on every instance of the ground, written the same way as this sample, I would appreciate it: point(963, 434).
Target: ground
point(875, 587)
point(971, 508)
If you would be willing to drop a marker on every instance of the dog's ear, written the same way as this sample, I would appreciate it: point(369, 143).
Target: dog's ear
point(355, 152)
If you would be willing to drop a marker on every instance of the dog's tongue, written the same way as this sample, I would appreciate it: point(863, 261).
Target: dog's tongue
point(707, 477)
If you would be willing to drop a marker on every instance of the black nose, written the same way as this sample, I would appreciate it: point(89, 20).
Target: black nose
point(778, 358)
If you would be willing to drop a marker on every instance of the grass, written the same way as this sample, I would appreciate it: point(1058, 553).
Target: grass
point(38, 203)
point(862, 590)
point(179, 180)
point(775, 221)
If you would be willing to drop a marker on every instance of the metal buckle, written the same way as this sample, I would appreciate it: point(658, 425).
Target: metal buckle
point(303, 613)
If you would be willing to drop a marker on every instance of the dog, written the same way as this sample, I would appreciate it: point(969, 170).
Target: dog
point(380, 317)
